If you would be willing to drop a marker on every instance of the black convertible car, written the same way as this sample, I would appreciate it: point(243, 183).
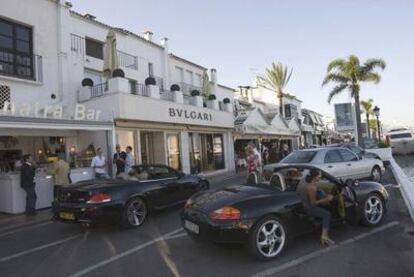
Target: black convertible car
point(266, 216)
point(128, 200)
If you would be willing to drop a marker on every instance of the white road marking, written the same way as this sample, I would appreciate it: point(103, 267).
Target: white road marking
point(22, 224)
point(295, 262)
point(167, 236)
point(25, 228)
point(7, 258)
point(17, 217)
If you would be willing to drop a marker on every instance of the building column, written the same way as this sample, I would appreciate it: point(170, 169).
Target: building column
point(229, 151)
point(137, 142)
point(185, 152)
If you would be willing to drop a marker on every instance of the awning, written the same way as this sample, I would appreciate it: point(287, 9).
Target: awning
point(17, 122)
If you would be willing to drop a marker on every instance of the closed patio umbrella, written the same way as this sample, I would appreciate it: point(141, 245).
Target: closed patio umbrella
point(111, 56)
point(205, 89)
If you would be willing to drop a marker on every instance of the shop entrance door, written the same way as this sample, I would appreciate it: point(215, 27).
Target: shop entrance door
point(147, 147)
point(173, 148)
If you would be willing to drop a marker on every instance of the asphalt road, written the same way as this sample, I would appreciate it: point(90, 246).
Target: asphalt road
point(161, 248)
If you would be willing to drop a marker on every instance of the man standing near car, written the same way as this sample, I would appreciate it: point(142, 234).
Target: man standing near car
point(99, 163)
point(129, 160)
point(27, 175)
point(119, 160)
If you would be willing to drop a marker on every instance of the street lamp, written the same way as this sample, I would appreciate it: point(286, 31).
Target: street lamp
point(377, 114)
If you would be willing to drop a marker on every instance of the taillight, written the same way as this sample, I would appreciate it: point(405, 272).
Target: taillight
point(225, 213)
point(100, 197)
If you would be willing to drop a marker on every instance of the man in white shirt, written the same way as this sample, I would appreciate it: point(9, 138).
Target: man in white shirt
point(99, 164)
point(129, 160)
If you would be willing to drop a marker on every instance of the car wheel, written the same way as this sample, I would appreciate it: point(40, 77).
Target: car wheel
point(373, 210)
point(135, 213)
point(268, 238)
point(376, 174)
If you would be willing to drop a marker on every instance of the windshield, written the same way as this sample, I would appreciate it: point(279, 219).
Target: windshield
point(398, 136)
point(299, 157)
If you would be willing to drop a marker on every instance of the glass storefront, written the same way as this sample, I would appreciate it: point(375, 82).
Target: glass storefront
point(173, 148)
point(206, 152)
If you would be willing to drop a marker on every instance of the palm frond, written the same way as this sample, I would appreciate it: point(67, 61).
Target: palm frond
point(336, 64)
point(371, 64)
point(336, 90)
point(367, 106)
point(334, 77)
point(371, 77)
point(276, 77)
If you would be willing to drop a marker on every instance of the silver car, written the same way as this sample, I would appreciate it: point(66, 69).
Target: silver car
point(340, 162)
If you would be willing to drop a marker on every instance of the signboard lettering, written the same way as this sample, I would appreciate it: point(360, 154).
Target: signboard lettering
point(181, 113)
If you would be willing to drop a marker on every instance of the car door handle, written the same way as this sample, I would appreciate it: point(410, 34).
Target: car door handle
point(330, 166)
point(349, 164)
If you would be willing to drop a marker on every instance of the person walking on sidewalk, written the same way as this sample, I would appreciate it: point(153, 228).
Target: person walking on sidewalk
point(61, 173)
point(99, 164)
point(119, 160)
point(129, 160)
point(27, 175)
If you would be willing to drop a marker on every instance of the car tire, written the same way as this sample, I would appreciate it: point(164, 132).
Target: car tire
point(261, 238)
point(372, 210)
point(135, 213)
point(376, 174)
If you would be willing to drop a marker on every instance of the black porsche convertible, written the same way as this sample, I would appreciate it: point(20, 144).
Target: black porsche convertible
point(266, 216)
point(128, 200)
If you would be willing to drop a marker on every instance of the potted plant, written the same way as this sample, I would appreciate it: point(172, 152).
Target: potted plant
point(211, 97)
point(226, 100)
point(150, 81)
point(195, 93)
point(175, 87)
point(87, 82)
point(118, 73)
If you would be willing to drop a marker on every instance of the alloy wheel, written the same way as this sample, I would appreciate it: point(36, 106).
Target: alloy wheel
point(374, 209)
point(136, 212)
point(270, 238)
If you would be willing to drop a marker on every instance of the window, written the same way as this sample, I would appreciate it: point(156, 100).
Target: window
point(150, 69)
point(4, 96)
point(189, 77)
point(398, 136)
point(300, 157)
point(348, 156)
point(333, 156)
point(173, 147)
point(16, 57)
point(96, 76)
point(94, 48)
point(357, 150)
point(206, 152)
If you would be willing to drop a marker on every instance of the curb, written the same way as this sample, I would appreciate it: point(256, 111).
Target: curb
point(406, 186)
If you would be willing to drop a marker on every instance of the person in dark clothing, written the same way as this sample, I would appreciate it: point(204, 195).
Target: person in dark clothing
point(119, 159)
point(27, 183)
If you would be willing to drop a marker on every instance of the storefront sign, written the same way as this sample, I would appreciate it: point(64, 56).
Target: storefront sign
point(48, 111)
point(182, 113)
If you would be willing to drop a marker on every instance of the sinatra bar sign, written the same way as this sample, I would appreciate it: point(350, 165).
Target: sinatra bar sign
point(181, 113)
point(48, 111)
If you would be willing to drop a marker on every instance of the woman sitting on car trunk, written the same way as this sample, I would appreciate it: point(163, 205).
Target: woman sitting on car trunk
point(312, 197)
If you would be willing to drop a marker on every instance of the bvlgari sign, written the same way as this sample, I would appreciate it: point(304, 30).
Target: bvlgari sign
point(183, 113)
point(48, 111)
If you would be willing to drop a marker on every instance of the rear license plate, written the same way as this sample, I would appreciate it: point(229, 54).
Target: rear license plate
point(67, 216)
point(191, 227)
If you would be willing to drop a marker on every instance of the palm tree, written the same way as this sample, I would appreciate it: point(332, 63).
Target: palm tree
point(367, 107)
point(276, 78)
point(349, 75)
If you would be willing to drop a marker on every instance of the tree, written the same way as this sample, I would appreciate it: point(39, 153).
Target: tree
point(367, 107)
point(276, 78)
point(349, 75)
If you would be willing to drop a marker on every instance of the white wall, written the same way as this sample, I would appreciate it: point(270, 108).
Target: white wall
point(32, 13)
point(187, 67)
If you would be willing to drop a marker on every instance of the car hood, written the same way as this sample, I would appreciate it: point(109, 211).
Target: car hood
point(212, 200)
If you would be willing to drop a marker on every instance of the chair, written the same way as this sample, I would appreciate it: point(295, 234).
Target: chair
point(277, 181)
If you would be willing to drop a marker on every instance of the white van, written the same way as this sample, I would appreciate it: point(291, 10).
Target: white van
point(401, 141)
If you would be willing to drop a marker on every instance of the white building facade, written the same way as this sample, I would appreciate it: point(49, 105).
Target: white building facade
point(47, 50)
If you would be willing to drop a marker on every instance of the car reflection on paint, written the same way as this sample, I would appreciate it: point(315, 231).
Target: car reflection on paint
point(266, 216)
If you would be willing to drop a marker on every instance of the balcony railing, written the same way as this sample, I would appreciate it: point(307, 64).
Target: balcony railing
point(139, 89)
point(159, 81)
point(167, 95)
point(99, 90)
point(77, 45)
point(187, 88)
point(128, 61)
point(29, 67)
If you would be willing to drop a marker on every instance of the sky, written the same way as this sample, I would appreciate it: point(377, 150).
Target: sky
point(240, 38)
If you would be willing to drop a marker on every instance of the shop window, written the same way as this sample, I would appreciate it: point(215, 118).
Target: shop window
point(173, 143)
point(206, 152)
point(16, 57)
point(94, 48)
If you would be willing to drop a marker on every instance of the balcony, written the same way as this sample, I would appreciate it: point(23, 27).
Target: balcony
point(139, 102)
point(187, 88)
point(22, 66)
